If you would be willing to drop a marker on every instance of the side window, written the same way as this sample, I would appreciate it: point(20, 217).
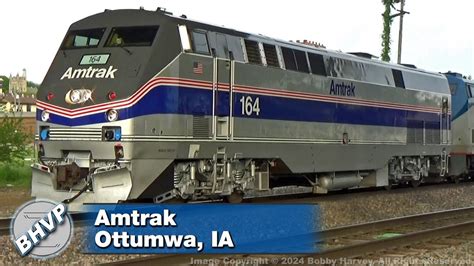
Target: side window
point(221, 46)
point(271, 55)
point(253, 52)
point(398, 78)
point(316, 62)
point(301, 61)
point(470, 89)
point(289, 59)
point(200, 44)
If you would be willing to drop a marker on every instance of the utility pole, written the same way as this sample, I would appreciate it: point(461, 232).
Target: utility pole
point(400, 32)
point(388, 18)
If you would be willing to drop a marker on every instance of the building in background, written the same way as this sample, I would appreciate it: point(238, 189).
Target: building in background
point(18, 84)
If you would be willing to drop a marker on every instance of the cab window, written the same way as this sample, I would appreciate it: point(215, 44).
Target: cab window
point(83, 38)
point(132, 36)
point(199, 41)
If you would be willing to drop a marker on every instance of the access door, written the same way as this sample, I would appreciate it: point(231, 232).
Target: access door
point(445, 121)
point(223, 98)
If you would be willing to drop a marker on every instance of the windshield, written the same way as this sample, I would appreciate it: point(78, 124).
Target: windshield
point(83, 38)
point(132, 36)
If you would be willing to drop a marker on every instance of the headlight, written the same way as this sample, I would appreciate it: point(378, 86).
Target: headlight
point(44, 116)
point(44, 133)
point(73, 97)
point(111, 133)
point(112, 115)
point(78, 96)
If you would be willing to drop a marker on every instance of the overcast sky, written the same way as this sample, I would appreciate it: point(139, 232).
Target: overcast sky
point(437, 34)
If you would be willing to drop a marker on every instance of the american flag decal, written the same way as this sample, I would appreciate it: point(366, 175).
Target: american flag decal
point(197, 68)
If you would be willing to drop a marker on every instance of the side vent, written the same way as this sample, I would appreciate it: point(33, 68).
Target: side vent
point(432, 133)
point(253, 52)
point(200, 127)
point(271, 55)
point(472, 137)
point(415, 132)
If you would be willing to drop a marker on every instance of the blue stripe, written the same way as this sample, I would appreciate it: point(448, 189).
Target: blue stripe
point(460, 98)
point(183, 100)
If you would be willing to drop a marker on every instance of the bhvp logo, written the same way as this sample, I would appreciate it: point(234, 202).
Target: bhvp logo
point(41, 229)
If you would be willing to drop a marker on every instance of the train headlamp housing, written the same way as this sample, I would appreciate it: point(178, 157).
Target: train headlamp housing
point(44, 133)
point(112, 115)
point(45, 116)
point(111, 133)
point(75, 96)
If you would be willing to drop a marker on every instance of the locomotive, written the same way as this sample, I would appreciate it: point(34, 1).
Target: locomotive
point(143, 105)
point(461, 160)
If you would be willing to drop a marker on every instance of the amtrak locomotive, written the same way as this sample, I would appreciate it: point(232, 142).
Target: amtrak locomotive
point(461, 160)
point(143, 105)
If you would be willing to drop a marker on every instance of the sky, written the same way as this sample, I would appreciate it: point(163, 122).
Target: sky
point(437, 34)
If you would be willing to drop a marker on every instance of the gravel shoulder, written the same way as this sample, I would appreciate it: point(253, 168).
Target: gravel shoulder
point(11, 198)
point(372, 205)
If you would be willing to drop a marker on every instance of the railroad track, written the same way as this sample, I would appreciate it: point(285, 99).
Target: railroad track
point(5, 226)
point(369, 238)
point(358, 241)
point(79, 219)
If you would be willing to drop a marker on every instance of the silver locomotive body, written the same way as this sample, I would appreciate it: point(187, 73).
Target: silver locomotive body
point(205, 112)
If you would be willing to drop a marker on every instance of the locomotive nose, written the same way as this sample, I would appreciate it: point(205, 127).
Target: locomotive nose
point(76, 181)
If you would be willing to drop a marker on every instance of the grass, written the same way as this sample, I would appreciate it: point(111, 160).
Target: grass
point(16, 175)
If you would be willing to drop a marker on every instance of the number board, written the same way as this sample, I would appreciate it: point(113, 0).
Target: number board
point(94, 59)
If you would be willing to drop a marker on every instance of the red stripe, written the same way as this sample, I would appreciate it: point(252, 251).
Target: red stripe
point(341, 100)
point(155, 82)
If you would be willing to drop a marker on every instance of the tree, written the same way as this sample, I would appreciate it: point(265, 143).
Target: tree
point(6, 83)
point(387, 23)
point(13, 140)
point(32, 84)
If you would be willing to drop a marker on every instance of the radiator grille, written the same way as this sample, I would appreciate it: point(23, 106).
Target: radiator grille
point(432, 133)
point(271, 55)
point(253, 52)
point(415, 131)
point(59, 133)
point(200, 127)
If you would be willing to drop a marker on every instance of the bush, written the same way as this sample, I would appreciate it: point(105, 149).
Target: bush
point(13, 140)
point(16, 175)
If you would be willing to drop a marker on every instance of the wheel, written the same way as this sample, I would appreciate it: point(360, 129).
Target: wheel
point(455, 179)
point(235, 197)
point(415, 183)
point(389, 186)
